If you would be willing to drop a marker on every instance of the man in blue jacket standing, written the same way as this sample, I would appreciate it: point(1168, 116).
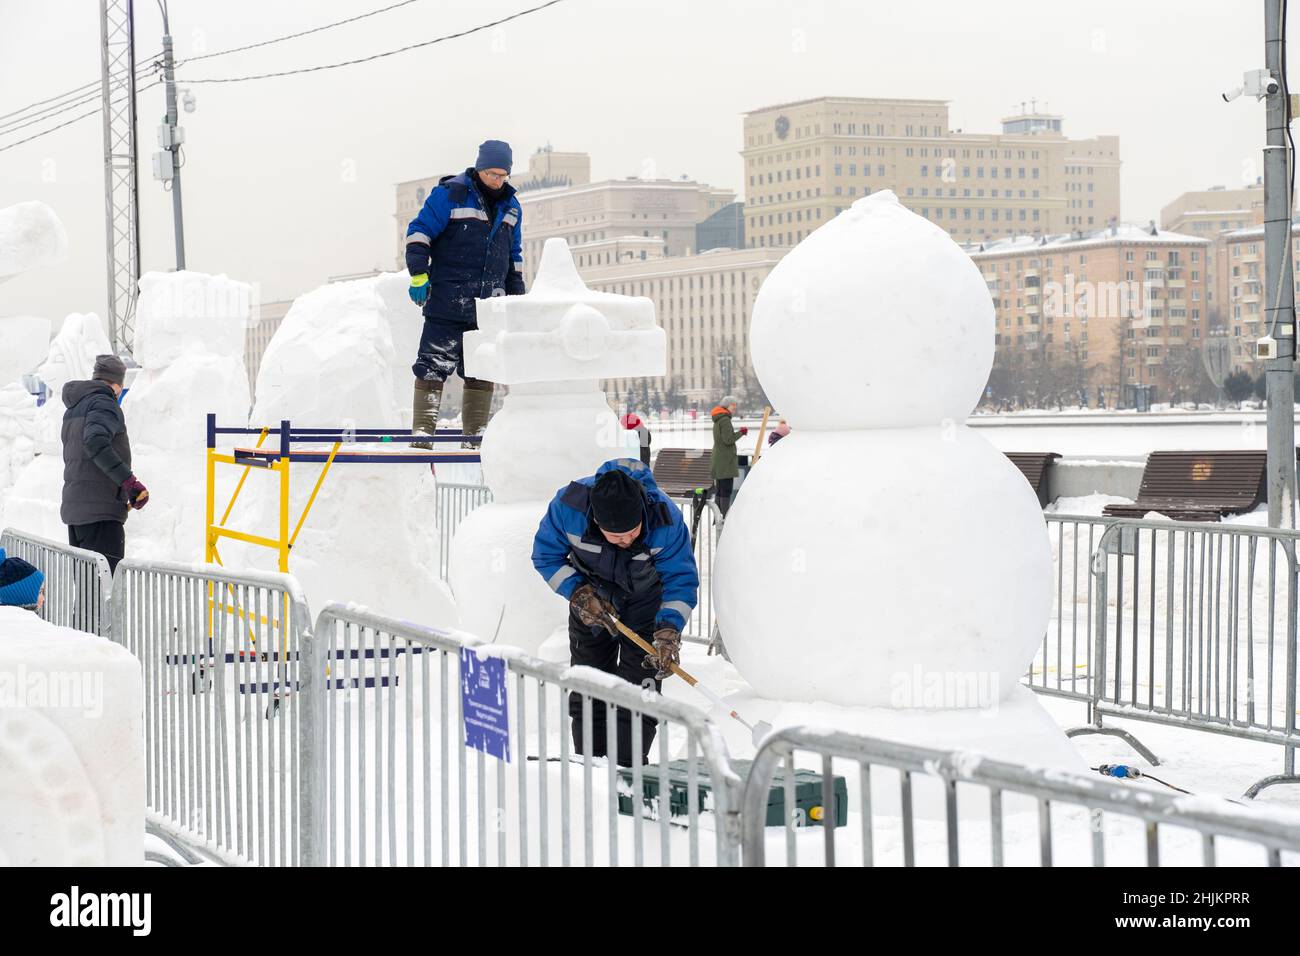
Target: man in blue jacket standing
point(613, 542)
point(463, 246)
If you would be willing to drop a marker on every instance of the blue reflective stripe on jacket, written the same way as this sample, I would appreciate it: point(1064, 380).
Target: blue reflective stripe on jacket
point(566, 555)
point(466, 256)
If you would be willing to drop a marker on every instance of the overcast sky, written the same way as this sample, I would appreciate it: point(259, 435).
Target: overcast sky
point(290, 180)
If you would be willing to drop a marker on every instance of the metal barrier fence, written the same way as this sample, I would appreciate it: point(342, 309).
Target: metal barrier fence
point(78, 584)
point(455, 501)
point(392, 782)
point(1063, 665)
point(1199, 630)
point(917, 806)
point(222, 688)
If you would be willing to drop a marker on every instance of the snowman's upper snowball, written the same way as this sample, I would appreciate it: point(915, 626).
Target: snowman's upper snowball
point(876, 320)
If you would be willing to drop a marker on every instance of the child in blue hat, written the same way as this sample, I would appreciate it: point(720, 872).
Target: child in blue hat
point(21, 584)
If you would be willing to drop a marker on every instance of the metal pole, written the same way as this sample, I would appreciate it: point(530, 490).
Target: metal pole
point(169, 77)
point(1279, 288)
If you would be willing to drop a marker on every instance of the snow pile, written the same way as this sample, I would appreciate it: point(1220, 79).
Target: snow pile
point(31, 236)
point(32, 503)
point(190, 341)
point(19, 431)
point(1091, 505)
point(26, 341)
point(918, 575)
point(551, 347)
point(71, 747)
point(371, 536)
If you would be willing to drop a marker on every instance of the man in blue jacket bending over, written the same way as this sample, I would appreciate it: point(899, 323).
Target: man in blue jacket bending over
point(615, 542)
point(463, 246)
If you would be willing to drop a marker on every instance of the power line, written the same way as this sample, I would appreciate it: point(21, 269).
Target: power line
point(74, 93)
point(378, 56)
point(294, 36)
point(95, 112)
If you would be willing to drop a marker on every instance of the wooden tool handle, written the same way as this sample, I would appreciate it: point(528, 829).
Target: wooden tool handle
point(758, 445)
point(646, 646)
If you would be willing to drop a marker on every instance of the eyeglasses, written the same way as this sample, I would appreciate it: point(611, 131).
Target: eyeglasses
point(487, 174)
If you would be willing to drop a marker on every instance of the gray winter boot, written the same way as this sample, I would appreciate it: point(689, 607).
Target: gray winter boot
point(424, 410)
point(476, 406)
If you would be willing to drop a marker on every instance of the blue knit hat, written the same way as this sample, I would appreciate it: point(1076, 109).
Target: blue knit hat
point(494, 154)
point(20, 583)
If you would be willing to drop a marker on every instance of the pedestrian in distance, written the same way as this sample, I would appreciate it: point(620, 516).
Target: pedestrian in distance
point(724, 465)
point(99, 488)
point(633, 422)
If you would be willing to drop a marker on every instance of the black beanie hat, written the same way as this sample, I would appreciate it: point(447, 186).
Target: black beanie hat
point(617, 502)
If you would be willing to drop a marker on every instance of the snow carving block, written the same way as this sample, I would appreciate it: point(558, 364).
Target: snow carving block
point(884, 555)
point(552, 346)
point(563, 330)
point(71, 747)
point(31, 237)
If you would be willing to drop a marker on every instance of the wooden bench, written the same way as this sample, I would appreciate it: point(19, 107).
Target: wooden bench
point(1198, 485)
point(683, 472)
point(1033, 465)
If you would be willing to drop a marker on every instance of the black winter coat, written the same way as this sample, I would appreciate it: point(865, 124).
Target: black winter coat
point(96, 455)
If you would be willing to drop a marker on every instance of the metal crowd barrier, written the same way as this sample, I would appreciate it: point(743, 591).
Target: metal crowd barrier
point(223, 696)
point(455, 501)
point(1063, 665)
point(391, 781)
point(1199, 630)
point(78, 584)
point(917, 806)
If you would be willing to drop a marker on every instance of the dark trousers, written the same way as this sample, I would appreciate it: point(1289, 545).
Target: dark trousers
point(103, 537)
point(442, 350)
point(595, 647)
point(722, 492)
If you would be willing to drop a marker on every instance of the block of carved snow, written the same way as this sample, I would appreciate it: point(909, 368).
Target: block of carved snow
point(71, 747)
point(26, 342)
point(31, 237)
point(562, 330)
point(180, 313)
point(876, 320)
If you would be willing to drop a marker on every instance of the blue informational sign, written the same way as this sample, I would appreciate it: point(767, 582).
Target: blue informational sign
point(483, 698)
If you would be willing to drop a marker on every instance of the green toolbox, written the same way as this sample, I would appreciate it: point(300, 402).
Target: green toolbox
point(807, 793)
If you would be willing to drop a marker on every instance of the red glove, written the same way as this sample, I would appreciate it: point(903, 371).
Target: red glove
point(744, 430)
point(136, 493)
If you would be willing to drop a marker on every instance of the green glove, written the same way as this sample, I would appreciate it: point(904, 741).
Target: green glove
point(419, 290)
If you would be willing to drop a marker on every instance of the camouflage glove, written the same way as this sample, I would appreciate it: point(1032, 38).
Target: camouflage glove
point(668, 642)
point(591, 607)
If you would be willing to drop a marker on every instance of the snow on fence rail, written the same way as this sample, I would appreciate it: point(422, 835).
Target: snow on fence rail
point(391, 782)
point(220, 658)
point(78, 585)
point(916, 806)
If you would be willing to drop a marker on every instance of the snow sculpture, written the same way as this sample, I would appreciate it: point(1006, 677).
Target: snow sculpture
point(551, 346)
point(883, 554)
point(71, 747)
point(190, 343)
point(31, 236)
point(371, 536)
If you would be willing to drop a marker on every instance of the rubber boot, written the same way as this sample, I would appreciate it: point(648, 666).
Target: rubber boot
point(424, 410)
point(475, 409)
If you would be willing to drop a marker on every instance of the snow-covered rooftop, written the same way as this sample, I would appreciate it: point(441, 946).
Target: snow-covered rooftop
point(1124, 232)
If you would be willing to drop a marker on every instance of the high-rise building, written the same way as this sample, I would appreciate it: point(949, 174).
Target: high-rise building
point(806, 161)
point(1240, 310)
point(1208, 212)
point(1126, 305)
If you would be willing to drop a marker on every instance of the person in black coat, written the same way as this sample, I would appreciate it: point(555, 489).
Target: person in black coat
point(98, 485)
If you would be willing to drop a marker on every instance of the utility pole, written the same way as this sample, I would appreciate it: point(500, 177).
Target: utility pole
point(167, 163)
point(1279, 279)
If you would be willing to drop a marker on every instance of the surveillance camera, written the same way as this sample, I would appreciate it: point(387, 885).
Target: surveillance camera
point(1232, 94)
point(1271, 86)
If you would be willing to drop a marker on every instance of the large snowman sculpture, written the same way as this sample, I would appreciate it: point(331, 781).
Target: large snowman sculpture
point(883, 555)
point(552, 347)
